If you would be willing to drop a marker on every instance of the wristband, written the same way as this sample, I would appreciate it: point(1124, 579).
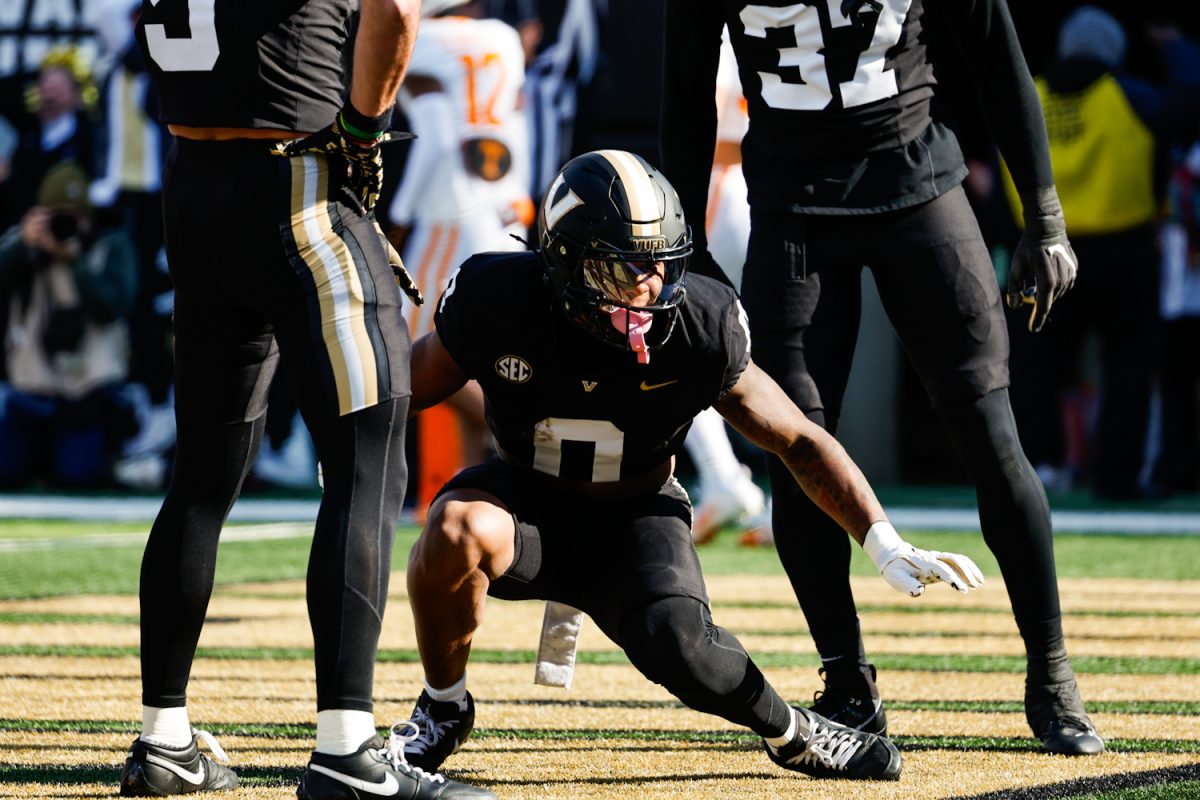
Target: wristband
point(360, 125)
point(881, 542)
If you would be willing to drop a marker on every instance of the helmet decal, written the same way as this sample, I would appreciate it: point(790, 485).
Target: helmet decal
point(641, 192)
point(556, 209)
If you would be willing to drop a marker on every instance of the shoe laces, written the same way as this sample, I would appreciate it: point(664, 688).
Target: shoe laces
point(429, 730)
point(399, 735)
point(829, 747)
point(211, 742)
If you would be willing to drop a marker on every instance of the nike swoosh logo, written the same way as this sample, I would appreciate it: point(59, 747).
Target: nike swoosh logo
point(649, 387)
point(385, 788)
point(195, 778)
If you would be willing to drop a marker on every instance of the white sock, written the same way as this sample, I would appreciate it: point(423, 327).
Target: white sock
point(709, 449)
point(456, 692)
point(168, 727)
point(786, 736)
point(341, 731)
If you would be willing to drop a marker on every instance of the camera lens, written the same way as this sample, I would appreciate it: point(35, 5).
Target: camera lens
point(64, 226)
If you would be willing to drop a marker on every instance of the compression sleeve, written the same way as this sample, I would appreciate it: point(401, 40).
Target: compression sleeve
point(984, 30)
point(432, 118)
point(692, 49)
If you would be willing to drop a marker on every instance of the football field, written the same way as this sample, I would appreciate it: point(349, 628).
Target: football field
point(951, 671)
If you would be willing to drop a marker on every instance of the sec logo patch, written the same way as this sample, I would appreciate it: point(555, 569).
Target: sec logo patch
point(514, 369)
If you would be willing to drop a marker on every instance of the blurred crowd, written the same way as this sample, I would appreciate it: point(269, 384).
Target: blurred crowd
point(1106, 396)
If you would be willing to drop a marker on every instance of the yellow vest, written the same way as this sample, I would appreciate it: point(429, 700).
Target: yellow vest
point(1103, 159)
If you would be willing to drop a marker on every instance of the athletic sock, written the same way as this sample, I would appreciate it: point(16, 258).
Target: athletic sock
point(456, 692)
point(1054, 666)
point(342, 731)
point(166, 727)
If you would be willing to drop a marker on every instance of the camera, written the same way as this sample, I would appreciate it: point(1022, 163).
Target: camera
point(64, 225)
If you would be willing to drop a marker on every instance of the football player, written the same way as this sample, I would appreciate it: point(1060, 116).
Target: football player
point(594, 354)
point(272, 246)
point(848, 163)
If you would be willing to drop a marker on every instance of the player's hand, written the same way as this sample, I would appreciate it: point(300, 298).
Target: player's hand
point(908, 569)
point(403, 278)
point(361, 154)
point(1043, 264)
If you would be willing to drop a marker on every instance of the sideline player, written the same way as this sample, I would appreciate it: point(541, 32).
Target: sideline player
point(272, 248)
point(594, 361)
point(848, 163)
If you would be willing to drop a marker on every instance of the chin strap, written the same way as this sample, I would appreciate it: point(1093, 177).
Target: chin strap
point(635, 325)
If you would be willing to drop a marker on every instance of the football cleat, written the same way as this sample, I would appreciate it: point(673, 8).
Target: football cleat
point(1056, 714)
point(856, 709)
point(727, 504)
point(443, 727)
point(378, 769)
point(835, 751)
point(152, 770)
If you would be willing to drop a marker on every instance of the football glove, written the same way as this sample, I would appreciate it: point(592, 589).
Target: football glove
point(909, 570)
point(361, 155)
point(1043, 265)
point(403, 278)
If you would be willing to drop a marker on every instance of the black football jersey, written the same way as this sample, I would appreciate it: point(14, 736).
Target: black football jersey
point(842, 118)
point(567, 405)
point(247, 63)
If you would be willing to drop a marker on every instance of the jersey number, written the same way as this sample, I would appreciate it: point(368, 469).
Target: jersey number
point(552, 433)
point(489, 62)
point(871, 80)
point(195, 53)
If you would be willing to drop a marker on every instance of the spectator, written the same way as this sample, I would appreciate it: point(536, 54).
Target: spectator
point(129, 186)
point(1105, 129)
point(59, 130)
point(68, 285)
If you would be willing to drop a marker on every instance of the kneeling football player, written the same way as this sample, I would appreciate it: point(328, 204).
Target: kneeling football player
point(594, 360)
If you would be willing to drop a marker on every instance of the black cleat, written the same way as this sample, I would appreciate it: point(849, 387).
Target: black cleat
point(378, 769)
point(858, 708)
point(835, 751)
point(152, 770)
point(443, 727)
point(1056, 714)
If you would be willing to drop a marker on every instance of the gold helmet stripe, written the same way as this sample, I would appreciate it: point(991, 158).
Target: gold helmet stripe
point(640, 190)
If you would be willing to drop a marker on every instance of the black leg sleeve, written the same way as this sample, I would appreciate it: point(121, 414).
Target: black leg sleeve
point(179, 563)
point(362, 459)
point(1013, 512)
point(673, 642)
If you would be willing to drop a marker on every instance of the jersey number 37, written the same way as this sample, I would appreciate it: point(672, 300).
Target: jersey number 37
point(871, 81)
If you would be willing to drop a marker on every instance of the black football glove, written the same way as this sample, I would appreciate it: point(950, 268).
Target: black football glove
point(1043, 265)
point(364, 162)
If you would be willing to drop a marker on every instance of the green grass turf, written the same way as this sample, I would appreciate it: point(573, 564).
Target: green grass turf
point(113, 568)
point(1186, 790)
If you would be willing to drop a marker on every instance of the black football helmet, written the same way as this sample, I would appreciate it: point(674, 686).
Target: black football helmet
point(607, 220)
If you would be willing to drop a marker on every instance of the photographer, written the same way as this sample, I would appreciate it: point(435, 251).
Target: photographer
point(68, 285)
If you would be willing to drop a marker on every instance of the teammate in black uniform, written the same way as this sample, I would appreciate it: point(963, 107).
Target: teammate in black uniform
point(272, 249)
point(593, 366)
point(848, 163)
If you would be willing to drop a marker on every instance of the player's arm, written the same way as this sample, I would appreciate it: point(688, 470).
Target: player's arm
point(386, 32)
point(1010, 103)
point(764, 414)
point(692, 50)
point(435, 373)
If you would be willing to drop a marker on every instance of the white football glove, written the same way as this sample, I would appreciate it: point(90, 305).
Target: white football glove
point(908, 570)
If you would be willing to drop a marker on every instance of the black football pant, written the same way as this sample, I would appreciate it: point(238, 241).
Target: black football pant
point(267, 257)
point(802, 292)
